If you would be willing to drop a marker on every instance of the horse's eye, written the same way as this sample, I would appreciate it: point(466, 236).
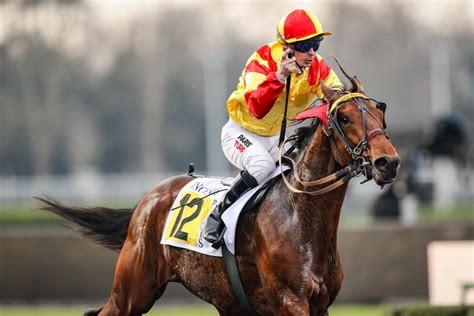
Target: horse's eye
point(344, 120)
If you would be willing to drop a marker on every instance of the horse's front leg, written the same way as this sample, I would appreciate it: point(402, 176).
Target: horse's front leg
point(285, 302)
point(284, 299)
point(319, 302)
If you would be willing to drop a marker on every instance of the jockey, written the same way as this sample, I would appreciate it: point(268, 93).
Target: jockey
point(250, 137)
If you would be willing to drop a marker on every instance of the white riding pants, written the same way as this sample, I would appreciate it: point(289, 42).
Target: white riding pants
point(246, 150)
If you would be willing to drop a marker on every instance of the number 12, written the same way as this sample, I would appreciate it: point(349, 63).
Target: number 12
point(178, 232)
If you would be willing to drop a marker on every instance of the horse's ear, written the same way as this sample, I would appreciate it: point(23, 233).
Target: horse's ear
point(356, 85)
point(359, 86)
point(330, 94)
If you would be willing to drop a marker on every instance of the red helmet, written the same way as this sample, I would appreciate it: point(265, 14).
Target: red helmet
point(299, 25)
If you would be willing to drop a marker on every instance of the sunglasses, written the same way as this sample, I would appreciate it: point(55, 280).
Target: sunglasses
point(304, 47)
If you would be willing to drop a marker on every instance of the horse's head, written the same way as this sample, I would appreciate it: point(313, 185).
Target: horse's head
point(356, 126)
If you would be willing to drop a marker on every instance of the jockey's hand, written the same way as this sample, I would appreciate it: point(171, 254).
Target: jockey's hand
point(287, 66)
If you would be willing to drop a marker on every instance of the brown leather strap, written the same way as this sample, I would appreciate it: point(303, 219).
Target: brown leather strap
point(348, 173)
point(326, 179)
point(327, 189)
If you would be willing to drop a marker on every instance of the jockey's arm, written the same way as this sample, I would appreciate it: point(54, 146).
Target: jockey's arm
point(261, 92)
point(262, 86)
point(268, 84)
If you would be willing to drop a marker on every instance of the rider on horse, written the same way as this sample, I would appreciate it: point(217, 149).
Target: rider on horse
point(256, 109)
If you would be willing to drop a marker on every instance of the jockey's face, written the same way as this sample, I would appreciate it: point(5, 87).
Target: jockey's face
point(305, 51)
point(305, 59)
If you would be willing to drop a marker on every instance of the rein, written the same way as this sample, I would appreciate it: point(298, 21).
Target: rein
point(343, 176)
point(359, 164)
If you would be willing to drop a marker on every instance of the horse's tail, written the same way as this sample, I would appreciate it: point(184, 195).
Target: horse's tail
point(105, 226)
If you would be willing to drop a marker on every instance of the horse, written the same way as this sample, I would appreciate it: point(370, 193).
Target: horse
point(286, 247)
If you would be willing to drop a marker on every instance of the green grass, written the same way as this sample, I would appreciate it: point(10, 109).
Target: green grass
point(357, 310)
point(460, 212)
point(26, 214)
point(13, 216)
point(426, 214)
point(74, 311)
point(29, 214)
point(196, 310)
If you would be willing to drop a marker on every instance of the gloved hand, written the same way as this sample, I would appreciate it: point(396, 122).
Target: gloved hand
point(287, 66)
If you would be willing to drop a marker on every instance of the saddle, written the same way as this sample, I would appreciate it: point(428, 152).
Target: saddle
point(193, 205)
point(256, 199)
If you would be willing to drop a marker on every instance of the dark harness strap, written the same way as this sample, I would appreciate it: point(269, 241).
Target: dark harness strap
point(233, 274)
point(283, 122)
point(229, 259)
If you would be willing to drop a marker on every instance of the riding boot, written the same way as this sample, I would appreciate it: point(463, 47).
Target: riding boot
point(214, 227)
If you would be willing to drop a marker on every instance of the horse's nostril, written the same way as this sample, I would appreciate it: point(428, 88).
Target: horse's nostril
point(394, 163)
point(387, 162)
point(381, 163)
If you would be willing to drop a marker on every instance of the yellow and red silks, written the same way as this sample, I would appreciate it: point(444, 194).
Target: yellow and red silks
point(258, 103)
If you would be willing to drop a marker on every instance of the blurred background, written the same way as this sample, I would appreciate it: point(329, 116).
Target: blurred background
point(101, 100)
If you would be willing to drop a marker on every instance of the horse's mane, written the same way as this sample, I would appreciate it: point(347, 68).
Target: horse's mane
point(301, 137)
point(303, 134)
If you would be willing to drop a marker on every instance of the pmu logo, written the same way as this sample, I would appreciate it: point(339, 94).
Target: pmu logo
point(242, 142)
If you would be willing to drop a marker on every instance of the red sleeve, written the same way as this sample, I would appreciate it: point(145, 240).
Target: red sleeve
point(320, 70)
point(261, 100)
point(323, 69)
point(262, 91)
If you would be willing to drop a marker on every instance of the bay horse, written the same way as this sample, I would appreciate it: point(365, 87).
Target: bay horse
point(286, 248)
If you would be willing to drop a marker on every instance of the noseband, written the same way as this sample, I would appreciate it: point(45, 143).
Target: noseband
point(360, 162)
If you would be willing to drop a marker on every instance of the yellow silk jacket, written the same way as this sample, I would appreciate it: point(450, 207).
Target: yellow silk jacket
point(258, 103)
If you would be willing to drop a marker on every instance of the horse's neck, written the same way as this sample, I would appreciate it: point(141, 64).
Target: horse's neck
point(318, 215)
point(316, 162)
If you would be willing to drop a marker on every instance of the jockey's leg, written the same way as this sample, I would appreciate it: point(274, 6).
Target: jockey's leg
point(213, 230)
point(246, 151)
point(249, 151)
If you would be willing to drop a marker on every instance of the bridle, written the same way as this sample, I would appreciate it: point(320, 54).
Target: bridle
point(359, 153)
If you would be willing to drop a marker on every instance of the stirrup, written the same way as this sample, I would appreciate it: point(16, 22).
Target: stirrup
point(220, 239)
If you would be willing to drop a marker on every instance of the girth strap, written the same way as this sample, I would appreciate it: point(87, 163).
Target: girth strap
point(233, 274)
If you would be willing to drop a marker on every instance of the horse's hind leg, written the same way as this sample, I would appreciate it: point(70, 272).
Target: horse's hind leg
point(139, 280)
